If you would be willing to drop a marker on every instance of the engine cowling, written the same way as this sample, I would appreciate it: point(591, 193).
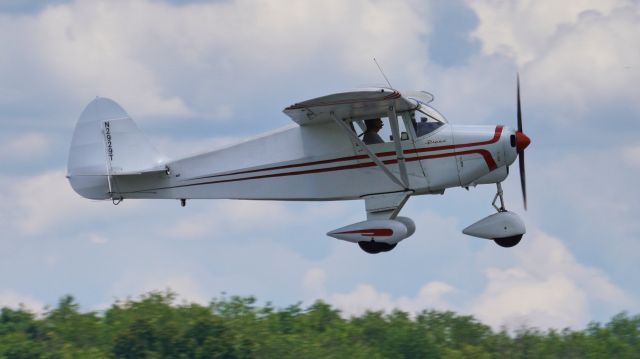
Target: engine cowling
point(389, 231)
point(495, 176)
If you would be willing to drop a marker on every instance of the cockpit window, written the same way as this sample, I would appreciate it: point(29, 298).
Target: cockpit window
point(380, 130)
point(426, 120)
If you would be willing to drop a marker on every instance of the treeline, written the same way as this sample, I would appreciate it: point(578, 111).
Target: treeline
point(154, 327)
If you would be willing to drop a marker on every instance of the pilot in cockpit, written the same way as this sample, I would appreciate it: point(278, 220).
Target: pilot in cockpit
point(371, 133)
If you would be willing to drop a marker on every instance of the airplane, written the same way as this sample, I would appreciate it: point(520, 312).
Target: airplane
point(323, 156)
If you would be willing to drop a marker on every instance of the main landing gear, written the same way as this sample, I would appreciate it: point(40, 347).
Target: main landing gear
point(376, 247)
point(376, 235)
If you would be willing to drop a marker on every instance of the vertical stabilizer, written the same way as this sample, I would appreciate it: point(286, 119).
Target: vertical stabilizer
point(106, 142)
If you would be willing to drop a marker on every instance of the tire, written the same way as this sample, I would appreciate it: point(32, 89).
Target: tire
point(508, 242)
point(376, 247)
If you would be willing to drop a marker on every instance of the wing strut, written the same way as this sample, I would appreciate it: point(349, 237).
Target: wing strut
point(393, 120)
point(371, 155)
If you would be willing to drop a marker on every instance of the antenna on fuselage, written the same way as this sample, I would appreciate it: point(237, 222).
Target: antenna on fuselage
point(382, 72)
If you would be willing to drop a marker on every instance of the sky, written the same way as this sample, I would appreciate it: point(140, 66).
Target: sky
point(198, 75)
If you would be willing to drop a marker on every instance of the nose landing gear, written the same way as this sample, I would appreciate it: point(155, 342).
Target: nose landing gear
point(499, 194)
point(504, 228)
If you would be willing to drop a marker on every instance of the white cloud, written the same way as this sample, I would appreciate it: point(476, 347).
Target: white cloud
point(314, 283)
point(544, 286)
point(522, 28)
point(366, 297)
point(547, 288)
point(26, 146)
point(469, 94)
point(187, 288)
point(548, 255)
point(204, 59)
point(575, 56)
point(229, 217)
point(515, 298)
point(97, 238)
point(631, 155)
point(607, 74)
point(193, 227)
point(12, 299)
point(33, 204)
point(598, 186)
point(38, 202)
point(224, 218)
point(93, 56)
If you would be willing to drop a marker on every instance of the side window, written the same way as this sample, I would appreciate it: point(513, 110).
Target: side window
point(384, 133)
point(426, 121)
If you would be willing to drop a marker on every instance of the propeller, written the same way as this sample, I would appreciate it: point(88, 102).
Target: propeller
point(522, 141)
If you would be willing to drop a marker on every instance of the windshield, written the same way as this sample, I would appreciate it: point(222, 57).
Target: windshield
point(432, 113)
point(426, 120)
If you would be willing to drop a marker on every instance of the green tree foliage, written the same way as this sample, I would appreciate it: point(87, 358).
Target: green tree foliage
point(156, 326)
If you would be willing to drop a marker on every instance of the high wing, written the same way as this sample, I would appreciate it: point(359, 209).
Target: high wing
point(361, 103)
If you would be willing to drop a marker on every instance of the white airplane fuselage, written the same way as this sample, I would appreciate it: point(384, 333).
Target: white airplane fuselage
point(322, 163)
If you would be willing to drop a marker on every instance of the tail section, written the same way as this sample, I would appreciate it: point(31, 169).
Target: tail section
point(106, 142)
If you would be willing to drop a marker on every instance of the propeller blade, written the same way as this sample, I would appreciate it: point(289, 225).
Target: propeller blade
point(525, 142)
point(523, 179)
point(519, 110)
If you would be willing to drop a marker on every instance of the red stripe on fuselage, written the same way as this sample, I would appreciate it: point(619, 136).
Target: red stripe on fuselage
point(305, 164)
point(484, 153)
point(496, 137)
